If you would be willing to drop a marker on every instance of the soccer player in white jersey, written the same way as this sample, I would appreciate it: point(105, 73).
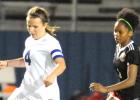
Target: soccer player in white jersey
point(126, 59)
point(42, 57)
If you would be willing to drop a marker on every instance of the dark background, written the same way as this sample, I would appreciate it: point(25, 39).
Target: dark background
point(88, 57)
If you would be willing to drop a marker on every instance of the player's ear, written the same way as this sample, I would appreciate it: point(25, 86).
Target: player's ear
point(46, 24)
point(130, 33)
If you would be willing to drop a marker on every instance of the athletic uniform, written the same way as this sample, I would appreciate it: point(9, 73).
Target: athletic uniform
point(122, 59)
point(39, 58)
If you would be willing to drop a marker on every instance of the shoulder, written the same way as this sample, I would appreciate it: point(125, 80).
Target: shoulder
point(51, 42)
point(133, 49)
point(28, 40)
point(133, 55)
point(51, 39)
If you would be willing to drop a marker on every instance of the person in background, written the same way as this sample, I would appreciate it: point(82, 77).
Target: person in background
point(126, 58)
point(96, 96)
point(79, 95)
point(42, 57)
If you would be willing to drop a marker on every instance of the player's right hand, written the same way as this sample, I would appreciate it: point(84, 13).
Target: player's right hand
point(3, 64)
point(98, 87)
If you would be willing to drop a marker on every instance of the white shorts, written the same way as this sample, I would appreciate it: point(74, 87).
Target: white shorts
point(43, 93)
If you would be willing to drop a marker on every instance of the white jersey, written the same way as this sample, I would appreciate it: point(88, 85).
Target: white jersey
point(39, 55)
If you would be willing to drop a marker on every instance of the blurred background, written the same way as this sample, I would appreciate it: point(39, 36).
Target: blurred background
point(85, 36)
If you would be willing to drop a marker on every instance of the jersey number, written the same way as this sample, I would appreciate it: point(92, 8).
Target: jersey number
point(27, 58)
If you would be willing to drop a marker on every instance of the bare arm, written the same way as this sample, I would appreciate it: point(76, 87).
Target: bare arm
point(19, 62)
point(60, 67)
point(130, 81)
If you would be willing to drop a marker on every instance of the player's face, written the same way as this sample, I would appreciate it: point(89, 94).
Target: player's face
point(35, 27)
point(122, 34)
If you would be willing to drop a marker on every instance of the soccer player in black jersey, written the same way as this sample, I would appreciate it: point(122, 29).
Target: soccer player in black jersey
point(126, 59)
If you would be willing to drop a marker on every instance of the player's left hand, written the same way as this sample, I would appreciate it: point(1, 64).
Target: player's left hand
point(48, 80)
point(98, 87)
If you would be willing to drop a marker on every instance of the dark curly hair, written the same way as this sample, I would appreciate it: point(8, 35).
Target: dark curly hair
point(130, 16)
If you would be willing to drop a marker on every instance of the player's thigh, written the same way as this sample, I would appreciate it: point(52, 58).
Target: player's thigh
point(17, 94)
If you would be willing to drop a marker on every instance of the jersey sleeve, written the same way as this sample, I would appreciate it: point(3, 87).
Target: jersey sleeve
point(133, 57)
point(55, 50)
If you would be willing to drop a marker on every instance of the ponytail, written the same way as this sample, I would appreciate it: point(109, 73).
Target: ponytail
point(51, 29)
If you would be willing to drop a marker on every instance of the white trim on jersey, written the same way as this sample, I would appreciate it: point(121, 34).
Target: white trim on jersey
point(56, 53)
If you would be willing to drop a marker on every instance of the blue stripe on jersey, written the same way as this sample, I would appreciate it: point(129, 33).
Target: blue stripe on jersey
point(57, 56)
point(55, 50)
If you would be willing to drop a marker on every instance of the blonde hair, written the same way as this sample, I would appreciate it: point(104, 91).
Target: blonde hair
point(39, 12)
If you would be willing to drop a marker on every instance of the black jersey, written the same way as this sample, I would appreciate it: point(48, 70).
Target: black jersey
point(122, 59)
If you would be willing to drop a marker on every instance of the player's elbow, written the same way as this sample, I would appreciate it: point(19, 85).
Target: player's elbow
point(64, 67)
point(132, 82)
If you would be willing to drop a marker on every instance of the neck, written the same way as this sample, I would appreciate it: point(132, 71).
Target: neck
point(41, 35)
point(123, 45)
